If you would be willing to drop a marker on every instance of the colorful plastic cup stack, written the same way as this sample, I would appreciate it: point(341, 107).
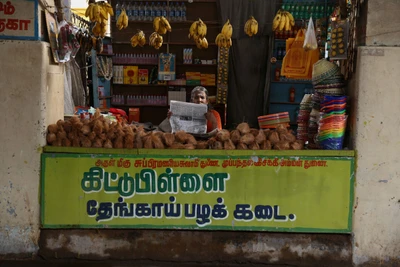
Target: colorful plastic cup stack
point(332, 123)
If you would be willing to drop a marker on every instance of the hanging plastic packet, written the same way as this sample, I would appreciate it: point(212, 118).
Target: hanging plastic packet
point(68, 45)
point(310, 41)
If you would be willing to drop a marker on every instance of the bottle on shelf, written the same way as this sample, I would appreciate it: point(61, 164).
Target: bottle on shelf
point(183, 11)
point(135, 13)
point(177, 12)
point(129, 11)
point(171, 11)
point(277, 75)
point(153, 11)
point(158, 10)
point(147, 12)
point(123, 6)
point(141, 12)
point(117, 10)
point(292, 94)
point(279, 53)
point(164, 10)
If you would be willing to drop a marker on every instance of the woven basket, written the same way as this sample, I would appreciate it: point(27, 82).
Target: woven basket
point(323, 69)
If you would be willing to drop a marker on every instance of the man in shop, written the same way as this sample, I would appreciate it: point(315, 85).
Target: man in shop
point(199, 95)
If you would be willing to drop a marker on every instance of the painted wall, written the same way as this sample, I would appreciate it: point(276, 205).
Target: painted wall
point(383, 24)
point(375, 95)
point(377, 142)
point(31, 99)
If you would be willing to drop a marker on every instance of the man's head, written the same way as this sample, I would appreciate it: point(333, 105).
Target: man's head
point(199, 95)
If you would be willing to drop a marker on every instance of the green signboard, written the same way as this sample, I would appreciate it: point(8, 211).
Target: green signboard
point(212, 192)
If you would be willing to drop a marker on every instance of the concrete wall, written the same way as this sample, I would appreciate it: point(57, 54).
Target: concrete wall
point(383, 23)
point(31, 98)
point(376, 102)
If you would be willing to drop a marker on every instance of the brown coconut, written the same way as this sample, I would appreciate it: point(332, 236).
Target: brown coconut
point(281, 128)
point(52, 128)
point(229, 145)
point(243, 128)
point(296, 145)
point(260, 137)
point(223, 135)
point(241, 146)
point(157, 142)
point(254, 146)
point(247, 139)
point(282, 145)
point(254, 131)
point(287, 137)
point(168, 139)
point(266, 145)
point(273, 137)
point(202, 145)
point(181, 137)
point(107, 144)
point(235, 136)
point(97, 143)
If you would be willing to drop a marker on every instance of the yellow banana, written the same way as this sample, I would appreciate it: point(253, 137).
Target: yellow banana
point(229, 42)
point(193, 29)
point(126, 19)
point(220, 40)
point(282, 23)
point(247, 28)
point(254, 26)
point(134, 40)
point(251, 26)
point(103, 13)
point(103, 29)
point(96, 13)
point(166, 23)
point(291, 18)
point(162, 29)
point(109, 9)
point(227, 29)
point(276, 21)
point(204, 43)
point(287, 22)
point(120, 21)
point(88, 11)
point(201, 29)
point(156, 23)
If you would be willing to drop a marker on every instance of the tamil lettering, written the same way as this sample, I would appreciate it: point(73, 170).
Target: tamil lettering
point(147, 182)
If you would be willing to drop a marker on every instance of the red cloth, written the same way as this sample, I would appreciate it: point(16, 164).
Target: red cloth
point(218, 118)
point(117, 111)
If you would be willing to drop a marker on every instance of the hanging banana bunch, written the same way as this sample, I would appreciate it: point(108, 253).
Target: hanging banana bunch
point(283, 20)
point(161, 25)
point(251, 26)
point(138, 39)
point(224, 39)
point(122, 20)
point(98, 12)
point(198, 32)
point(155, 40)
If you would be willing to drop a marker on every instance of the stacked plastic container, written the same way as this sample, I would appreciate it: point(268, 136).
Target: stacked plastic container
point(332, 122)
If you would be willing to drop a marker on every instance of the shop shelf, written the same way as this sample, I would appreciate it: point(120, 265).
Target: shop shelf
point(139, 64)
point(285, 103)
point(140, 85)
point(292, 81)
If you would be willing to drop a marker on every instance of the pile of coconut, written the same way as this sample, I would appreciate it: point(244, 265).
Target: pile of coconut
point(100, 132)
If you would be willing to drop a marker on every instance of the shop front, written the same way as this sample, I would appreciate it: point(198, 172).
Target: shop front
point(298, 197)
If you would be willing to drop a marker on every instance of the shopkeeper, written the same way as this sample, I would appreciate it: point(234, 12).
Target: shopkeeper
point(199, 95)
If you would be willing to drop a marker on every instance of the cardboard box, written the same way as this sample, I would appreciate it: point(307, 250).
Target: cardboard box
point(177, 96)
point(131, 74)
point(134, 114)
point(166, 67)
point(143, 76)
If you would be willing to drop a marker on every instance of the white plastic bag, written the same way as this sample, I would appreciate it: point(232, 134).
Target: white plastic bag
point(310, 41)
